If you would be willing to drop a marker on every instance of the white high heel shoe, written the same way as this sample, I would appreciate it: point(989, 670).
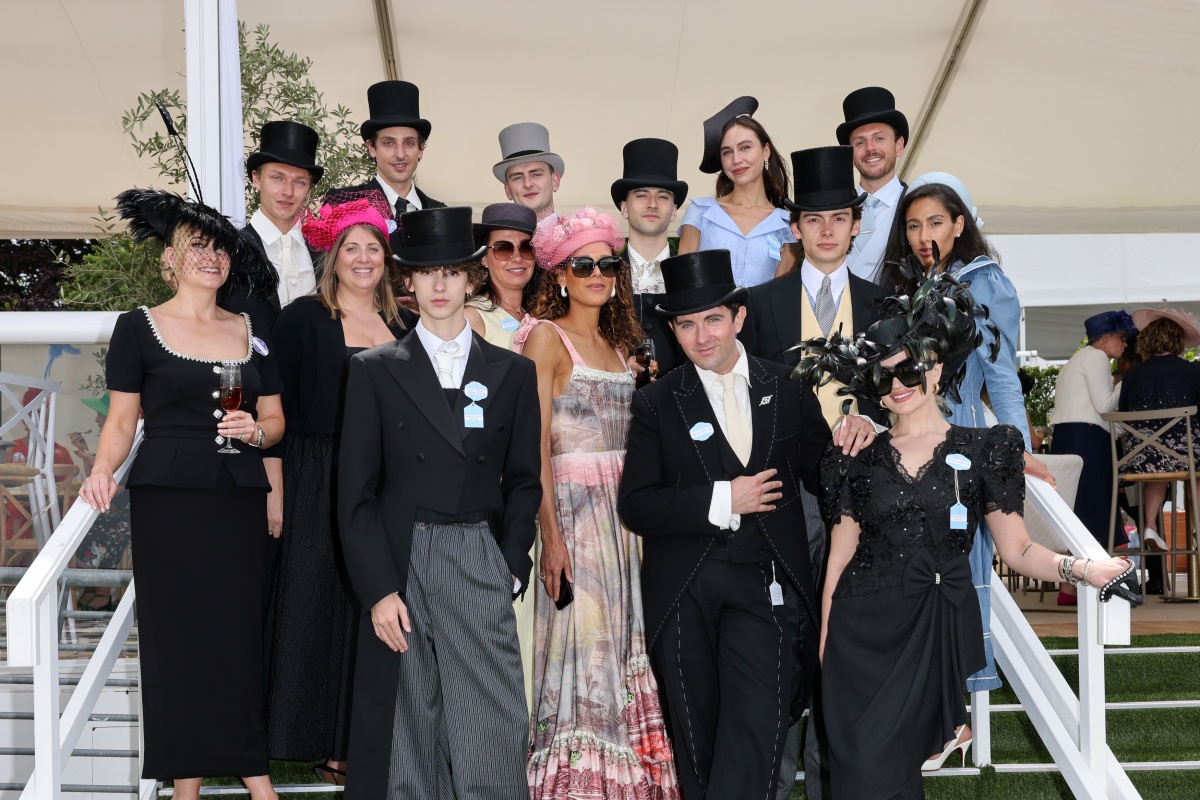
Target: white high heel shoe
point(957, 743)
point(1152, 541)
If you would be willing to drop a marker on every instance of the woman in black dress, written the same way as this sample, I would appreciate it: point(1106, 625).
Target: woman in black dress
point(1162, 380)
point(311, 614)
point(901, 627)
point(198, 515)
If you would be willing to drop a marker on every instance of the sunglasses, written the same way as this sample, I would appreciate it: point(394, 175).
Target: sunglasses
point(504, 250)
point(583, 266)
point(909, 372)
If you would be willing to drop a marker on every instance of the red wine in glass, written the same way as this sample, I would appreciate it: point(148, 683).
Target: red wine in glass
point(230, 398)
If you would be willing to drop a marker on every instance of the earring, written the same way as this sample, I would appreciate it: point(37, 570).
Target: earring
point(936, 387)
point(614, 292)
point(563, 290)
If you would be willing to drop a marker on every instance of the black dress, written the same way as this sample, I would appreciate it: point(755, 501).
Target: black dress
point(199, 532)
point(312, 615)
point(1161, 382)
point(905, 630)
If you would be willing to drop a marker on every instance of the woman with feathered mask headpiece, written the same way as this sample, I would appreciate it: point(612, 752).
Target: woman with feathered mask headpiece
point(901, 625)
point(198, 493)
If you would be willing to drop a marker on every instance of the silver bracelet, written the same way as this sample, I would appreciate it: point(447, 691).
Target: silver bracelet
point(1084, 581)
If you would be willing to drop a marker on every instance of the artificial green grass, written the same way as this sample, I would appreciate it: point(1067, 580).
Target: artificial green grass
point(1133, 735)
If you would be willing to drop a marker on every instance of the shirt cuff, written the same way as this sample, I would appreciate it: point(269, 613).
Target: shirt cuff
point(878, 428)
point(720, 510)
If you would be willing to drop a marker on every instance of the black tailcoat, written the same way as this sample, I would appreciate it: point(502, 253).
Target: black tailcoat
point(772, 324)
point(263, 312)
point(667, 486)
point(404, 448)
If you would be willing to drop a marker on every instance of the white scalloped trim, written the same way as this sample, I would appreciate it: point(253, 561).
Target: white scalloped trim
point(186, 357)
point(592, 374)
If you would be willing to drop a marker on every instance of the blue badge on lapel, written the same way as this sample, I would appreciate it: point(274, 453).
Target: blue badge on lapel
point(509, 324)
point(473, 414)
point(701, 431)
point(259, 345)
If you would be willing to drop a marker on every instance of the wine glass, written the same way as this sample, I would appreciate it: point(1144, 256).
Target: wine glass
point(644, 356)
point(230, 397)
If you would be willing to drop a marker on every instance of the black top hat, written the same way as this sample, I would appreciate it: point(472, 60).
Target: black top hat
point(394, 104)
point(711, 161)
point(697, 282)
point(872, 104)
point(438, 237)
point(504, 217)
point(650, 162)
point(285, 142)
point(824, 179)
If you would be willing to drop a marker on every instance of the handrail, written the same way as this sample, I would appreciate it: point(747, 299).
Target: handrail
point(1073, 729)
point(32, 612)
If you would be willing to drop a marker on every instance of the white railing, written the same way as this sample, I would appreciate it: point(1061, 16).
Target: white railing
point(32, 613)
point(1072, 728)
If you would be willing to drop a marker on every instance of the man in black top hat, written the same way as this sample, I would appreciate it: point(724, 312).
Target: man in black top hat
point(649, 195)
point(284, 172)
point(878, 133)
point(822, 295)
point(395, 136)
point(716, 453)
point(439, 484)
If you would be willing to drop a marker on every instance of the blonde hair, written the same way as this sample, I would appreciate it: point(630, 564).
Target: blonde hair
point(385, 294)
point(1160, 336)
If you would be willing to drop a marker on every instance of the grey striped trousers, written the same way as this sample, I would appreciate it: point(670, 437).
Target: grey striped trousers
point(461, 725)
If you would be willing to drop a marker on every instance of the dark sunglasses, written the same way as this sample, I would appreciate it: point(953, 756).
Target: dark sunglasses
point(909, 372)
point(583, 266)
point(504, 250)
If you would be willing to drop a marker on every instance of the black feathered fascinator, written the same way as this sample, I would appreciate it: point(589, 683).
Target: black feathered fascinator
point(156, 214)
point(936, 319)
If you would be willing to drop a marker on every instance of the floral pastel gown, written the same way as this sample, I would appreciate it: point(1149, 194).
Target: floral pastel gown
point(597, 728)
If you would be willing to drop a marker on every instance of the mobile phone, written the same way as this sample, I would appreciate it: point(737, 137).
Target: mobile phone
point(565, 594)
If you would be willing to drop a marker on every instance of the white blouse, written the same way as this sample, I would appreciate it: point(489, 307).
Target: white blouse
point(1084, 389)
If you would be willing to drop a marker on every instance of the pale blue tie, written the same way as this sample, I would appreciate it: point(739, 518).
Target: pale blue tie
point(867, 227)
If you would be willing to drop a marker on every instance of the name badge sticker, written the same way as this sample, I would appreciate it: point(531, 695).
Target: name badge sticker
point(509, 324)
point(958, 462)
point(958, 517)
point(701, 431)
point(473, 416)
point(259, 345)
point(476, 391)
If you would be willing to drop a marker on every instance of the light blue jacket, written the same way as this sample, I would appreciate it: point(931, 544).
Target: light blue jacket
point(992, 288)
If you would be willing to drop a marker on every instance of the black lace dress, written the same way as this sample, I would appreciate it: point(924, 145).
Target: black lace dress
point(904, 627)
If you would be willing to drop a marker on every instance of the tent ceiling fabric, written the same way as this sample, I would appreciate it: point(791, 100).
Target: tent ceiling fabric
point(1076, 116)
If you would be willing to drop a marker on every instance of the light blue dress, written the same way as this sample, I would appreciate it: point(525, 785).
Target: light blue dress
point(754, 257)
point(992, 288)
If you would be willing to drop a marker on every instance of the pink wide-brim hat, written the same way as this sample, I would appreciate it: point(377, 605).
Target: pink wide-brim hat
point(1191, 327)
point(554, 244)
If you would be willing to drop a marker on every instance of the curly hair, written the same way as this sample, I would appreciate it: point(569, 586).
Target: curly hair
point(1160, 336)
point(618, 323)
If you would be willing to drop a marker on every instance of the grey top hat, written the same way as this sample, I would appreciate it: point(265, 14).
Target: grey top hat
point(525, 142)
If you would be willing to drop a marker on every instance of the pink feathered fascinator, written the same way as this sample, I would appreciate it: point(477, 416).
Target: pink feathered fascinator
point(554, 244)
point(369, 208)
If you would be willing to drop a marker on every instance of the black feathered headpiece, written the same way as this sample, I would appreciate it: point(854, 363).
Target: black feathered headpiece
point(937, 318)
point(156, 214)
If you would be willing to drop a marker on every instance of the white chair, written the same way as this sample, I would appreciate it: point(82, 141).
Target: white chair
point(36, 478)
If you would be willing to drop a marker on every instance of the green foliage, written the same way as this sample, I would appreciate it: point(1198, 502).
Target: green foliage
point(118, 275)
point(1041, 399)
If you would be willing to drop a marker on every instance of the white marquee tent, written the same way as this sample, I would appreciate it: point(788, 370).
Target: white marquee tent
point(1074, 123)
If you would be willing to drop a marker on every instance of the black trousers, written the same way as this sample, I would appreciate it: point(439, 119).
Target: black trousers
point(728, 661)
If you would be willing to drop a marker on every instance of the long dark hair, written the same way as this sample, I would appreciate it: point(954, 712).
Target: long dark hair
point(487, 290)
point(969, 246)
point(775, 178)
